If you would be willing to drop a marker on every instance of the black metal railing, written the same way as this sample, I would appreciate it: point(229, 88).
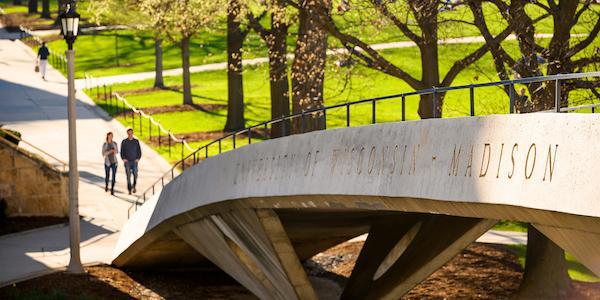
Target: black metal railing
point(203, 153)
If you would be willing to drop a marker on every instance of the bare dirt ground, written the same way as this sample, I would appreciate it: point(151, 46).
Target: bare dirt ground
point(479, 272)
point(18, 224)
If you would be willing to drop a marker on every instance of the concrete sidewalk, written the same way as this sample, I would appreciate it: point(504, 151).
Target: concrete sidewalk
point(490, 237)
point(124, 78)
point(38, 110)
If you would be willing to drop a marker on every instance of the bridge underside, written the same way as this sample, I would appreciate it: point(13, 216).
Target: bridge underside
point(262, 242)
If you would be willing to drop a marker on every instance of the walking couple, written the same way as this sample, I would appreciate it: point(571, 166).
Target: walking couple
point(130, 154)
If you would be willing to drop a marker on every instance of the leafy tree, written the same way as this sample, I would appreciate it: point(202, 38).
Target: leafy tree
point(275, 39)
point(308, 66)
point(45, 9)
point(565, 53)
point(180, 20)
point(419, 21)
point(235, 87)
point(32, 6)
point(128, 12)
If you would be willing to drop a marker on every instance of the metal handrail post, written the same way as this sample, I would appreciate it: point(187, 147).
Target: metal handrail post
point(472, 100)
point(182, 154)
point(373, 112)
point(347, 115)
point(557, 95)
point(511, 97)
point(403, 107)
point(435, 102)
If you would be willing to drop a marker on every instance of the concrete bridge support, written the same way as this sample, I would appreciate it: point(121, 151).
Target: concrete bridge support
point(253, 247)
point(400, 253)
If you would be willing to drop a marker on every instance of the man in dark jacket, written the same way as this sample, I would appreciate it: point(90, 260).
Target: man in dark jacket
point(131, 154)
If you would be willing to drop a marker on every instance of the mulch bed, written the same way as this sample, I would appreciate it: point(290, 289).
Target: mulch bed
point(481, 271)
point(207, 136)
point(183, 107)
point(13, 20)
point(18, 224)
point(141, 91)
point(106, 282)
point(177, 108)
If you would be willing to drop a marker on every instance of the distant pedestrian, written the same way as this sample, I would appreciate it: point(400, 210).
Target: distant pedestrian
point(109, 151)
point(131, 154)
point(42, 56)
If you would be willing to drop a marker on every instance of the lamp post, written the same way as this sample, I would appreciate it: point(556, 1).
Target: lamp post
point(69, 21)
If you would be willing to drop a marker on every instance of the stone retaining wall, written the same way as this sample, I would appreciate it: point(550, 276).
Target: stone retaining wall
point(29, 185)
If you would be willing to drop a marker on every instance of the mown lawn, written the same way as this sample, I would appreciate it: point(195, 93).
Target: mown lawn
point(577, 271)
point(97, 53)
point(341, 85)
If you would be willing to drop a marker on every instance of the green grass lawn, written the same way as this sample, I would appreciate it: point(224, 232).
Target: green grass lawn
point(97, 53)
point(341, 85)
point(511, 226)
point(577, 271)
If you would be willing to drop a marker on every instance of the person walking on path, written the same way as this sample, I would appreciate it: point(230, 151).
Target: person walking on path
point(109, 151)
point(42, 57)
point(131, 154)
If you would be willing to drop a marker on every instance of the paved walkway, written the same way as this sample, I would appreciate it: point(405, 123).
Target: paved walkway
point(108, 80)
point(37, 109)
point(490, 237)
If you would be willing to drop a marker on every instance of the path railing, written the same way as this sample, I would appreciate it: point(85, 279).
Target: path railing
point(52, 160)
point(202, 153)
point(118, 105)
point(57, 60)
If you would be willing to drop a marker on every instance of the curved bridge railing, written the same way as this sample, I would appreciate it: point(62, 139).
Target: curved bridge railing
point(300, 118)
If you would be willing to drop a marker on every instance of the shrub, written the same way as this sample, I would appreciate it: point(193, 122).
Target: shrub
point(9, 137)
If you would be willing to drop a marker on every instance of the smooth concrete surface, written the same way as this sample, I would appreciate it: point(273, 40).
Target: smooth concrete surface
point(482, 169)
point(38, 109)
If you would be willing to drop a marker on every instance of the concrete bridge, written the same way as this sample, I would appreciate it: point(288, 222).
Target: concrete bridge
point(423, 190)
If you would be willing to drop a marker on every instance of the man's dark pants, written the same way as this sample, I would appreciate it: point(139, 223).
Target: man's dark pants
point(131, 168)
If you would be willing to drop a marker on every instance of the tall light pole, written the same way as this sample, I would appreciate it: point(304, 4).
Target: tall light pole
point(69, 21)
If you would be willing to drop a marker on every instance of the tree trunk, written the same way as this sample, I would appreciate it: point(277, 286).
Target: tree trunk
point(33, 6)
point(546, 274)
point(185, 62)
point(426, 17)
point(308, 68)
point(62, 4)
point(46, 9)
point(158, 63)
point(235, 86)
point(278, 73)
point(61, 7)
point(16, 2)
